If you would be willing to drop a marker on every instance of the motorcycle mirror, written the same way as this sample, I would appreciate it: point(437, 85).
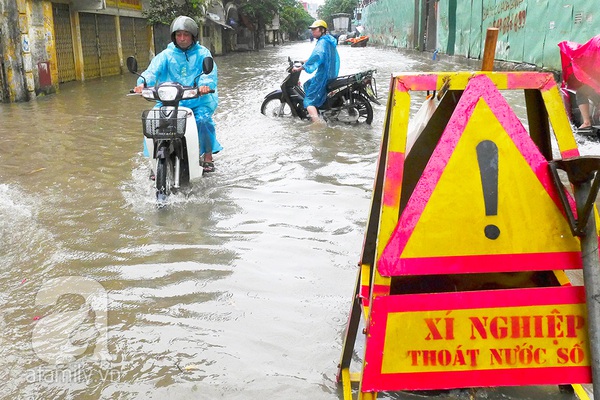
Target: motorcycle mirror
point(132, 64)
point(207, 65)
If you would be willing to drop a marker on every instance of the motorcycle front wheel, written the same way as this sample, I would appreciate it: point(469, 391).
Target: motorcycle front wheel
point(164, 178)
point(273, 107)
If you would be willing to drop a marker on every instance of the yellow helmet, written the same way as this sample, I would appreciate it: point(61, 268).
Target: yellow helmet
point(318, 24)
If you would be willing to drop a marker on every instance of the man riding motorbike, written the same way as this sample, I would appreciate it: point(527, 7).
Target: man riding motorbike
point(326, 61)
point(181, 62)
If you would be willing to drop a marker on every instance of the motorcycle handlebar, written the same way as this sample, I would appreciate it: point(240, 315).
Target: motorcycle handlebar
point(132, 91)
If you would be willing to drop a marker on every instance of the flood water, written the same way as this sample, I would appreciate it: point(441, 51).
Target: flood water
point(239, 290)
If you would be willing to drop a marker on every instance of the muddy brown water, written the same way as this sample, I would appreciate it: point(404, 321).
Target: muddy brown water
point(239, 290)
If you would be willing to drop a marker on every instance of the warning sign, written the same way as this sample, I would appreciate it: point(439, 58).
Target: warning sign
point(485, 201)
point(466, 244)
point(521, 336)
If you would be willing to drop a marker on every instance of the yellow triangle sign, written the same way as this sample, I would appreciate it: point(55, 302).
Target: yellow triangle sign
point(485, 201)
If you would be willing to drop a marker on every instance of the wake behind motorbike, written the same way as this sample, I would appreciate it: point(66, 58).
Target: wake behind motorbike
point(171, 134)
point(348, 97)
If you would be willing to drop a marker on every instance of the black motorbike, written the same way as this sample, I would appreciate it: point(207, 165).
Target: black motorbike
point(348, 97)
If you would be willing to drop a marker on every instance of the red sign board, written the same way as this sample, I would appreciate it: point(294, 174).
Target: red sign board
point(534, 336)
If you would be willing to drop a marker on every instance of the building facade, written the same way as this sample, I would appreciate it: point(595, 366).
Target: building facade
point(55, 42)
point(45, 43)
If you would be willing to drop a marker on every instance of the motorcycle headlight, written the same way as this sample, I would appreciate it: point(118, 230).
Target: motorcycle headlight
point(190, 93)
point(167, 93)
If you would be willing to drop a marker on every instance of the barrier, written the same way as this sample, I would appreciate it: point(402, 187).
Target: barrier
point(461, 280)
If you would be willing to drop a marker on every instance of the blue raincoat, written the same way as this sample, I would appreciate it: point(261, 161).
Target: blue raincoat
point(326, 61)
point(176, 65)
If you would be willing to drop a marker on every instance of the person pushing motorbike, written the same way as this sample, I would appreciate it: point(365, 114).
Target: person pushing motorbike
point(181, 62)
point(325, 60)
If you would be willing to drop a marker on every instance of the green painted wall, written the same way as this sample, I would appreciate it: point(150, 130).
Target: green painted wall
point(391, 22)
point(529, 30)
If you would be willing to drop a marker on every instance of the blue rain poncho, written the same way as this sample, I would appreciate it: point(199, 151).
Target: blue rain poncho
point(326, 61)
point(176, 65)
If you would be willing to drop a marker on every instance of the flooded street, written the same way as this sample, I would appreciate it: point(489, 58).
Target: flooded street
point(239, 290)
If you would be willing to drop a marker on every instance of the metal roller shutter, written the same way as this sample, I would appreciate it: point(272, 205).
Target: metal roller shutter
point(99, 45)
point(64, 43)
point(134, 40)
point(89, 45)
point(107, 40)
point(127, 37)
point(142, 42)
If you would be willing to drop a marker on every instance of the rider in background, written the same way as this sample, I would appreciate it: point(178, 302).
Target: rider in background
point(326, 61)
point(181, 62)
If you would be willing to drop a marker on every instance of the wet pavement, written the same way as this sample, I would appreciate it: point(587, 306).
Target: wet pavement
point(238, 290)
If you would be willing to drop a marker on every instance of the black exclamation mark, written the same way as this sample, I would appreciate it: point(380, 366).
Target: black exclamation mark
point(487, 157)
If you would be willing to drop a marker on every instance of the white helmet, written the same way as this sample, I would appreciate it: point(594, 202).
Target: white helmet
point(183, 23)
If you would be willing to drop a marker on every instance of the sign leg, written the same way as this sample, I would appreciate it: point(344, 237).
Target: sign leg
point(591, 280)
point(351, 333)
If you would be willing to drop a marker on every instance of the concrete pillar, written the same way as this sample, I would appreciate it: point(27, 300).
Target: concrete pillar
point(50, 37)
point(23, 9)
point(12, 57)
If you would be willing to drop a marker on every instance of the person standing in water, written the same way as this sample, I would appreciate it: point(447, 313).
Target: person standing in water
point(325, 60)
